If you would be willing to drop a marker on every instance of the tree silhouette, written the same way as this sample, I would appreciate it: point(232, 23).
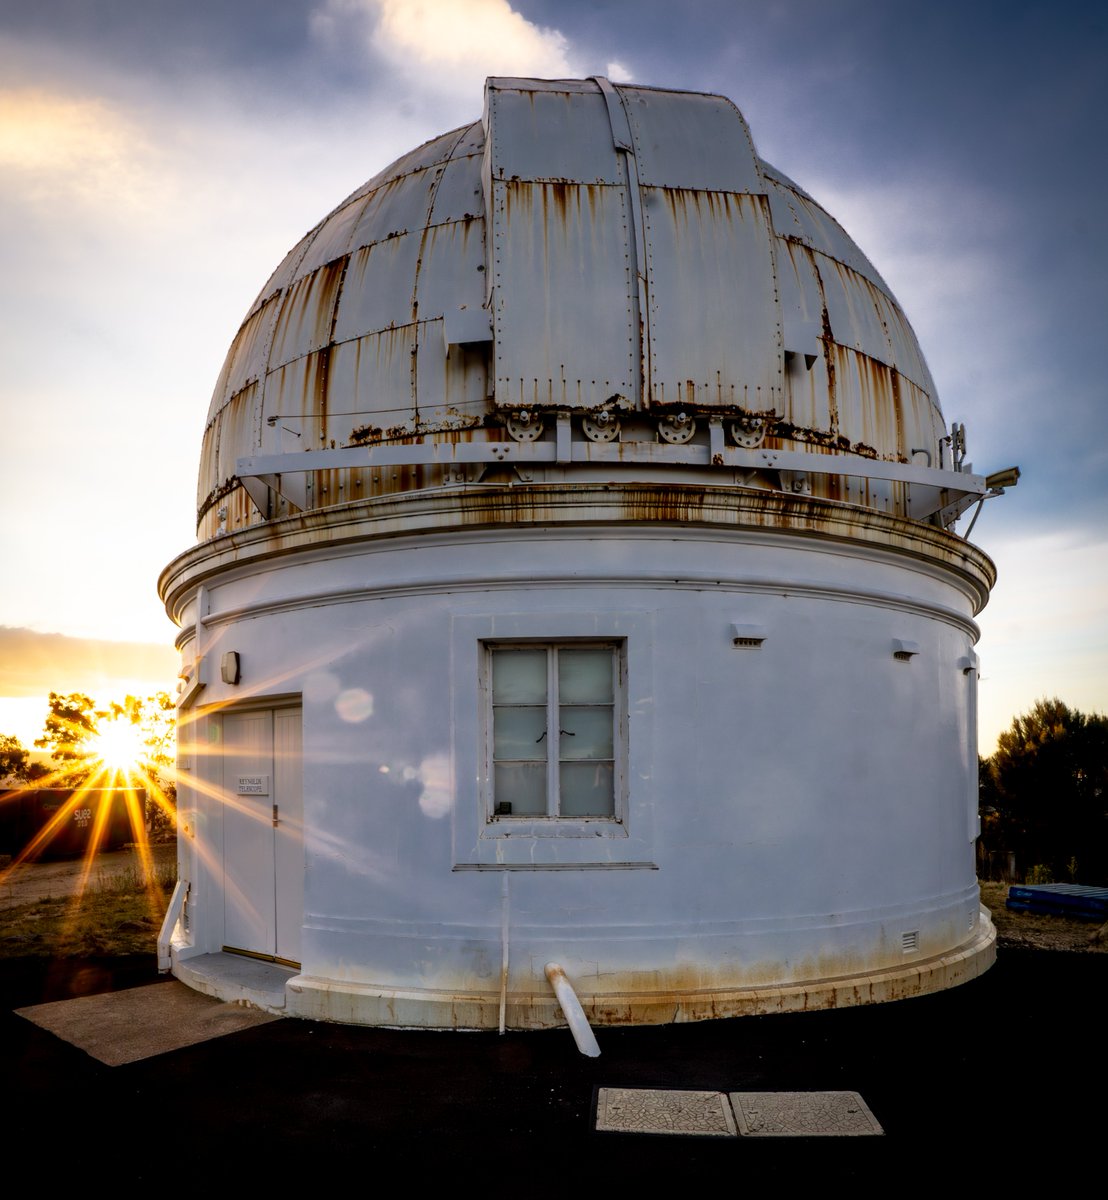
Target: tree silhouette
point(15, 761)
point(1047, 783)
point(70, 723)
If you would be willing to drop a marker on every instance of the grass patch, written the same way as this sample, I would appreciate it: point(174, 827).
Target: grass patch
point(119, 913)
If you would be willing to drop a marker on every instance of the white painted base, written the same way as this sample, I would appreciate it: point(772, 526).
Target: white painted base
point(314, 999)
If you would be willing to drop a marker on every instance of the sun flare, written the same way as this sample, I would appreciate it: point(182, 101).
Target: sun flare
point(120, 745)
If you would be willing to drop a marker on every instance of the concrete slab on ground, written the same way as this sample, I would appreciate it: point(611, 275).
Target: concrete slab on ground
point(803, 1114)
point(659, 1110)
point(125, 1027)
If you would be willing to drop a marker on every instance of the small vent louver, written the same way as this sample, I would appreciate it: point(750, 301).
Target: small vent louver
point(909, 942)
point(748, 635)
point(904, 650)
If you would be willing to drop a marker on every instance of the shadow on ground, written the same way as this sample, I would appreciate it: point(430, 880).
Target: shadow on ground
point(986, 1082)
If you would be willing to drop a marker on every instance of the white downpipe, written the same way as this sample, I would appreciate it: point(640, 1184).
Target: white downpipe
point(172, 916)
point(574, 1013)
point(504, 901)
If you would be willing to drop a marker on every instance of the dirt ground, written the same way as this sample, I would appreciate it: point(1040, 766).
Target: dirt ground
point(56, 880)
point(1033, 931)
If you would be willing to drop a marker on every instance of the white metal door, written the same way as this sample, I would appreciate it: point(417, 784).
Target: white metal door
point(288, 774)
point(263, 864)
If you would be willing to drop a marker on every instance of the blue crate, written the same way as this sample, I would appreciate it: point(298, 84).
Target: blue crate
point(1060, 899)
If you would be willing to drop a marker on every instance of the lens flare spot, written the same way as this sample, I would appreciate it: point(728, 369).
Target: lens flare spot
point(437, 796)
point(354, 705)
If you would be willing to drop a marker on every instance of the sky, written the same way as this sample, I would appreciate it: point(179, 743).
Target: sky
point(158, 159)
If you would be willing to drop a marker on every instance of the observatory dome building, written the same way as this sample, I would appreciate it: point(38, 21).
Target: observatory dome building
point(575, 585)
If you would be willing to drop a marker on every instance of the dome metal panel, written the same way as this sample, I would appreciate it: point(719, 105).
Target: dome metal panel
point(378, 290)
point(851, 313)
point(561, 272)
point(549, 136)
point(452, 268)
point(798, 287)
point(690, 140)
point(399, 205)
point(458, 194)
point(307, 314)
point(332, 237)
point(712, 344)
point(373, 375)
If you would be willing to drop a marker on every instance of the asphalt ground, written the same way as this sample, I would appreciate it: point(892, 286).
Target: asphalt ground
point(999, 1081)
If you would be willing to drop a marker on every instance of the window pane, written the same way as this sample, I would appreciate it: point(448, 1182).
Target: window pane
point(519, 676)
point(585, 733)
point(519, 733)
point(523, 786)
point(585, 676)
point(587, 790)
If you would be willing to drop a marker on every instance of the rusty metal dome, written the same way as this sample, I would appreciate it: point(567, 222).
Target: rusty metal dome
point(592, 265)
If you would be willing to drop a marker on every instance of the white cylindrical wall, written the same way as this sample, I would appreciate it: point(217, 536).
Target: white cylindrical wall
point(796, 811)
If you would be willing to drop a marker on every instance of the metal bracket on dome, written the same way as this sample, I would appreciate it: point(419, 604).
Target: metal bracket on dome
point(934, 490)
point(294, 489)
point(465, 326)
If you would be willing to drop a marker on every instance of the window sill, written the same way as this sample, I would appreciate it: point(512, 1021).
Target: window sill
point(554, 827)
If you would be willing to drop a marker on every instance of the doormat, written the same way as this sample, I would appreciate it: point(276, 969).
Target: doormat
point(124, 1027)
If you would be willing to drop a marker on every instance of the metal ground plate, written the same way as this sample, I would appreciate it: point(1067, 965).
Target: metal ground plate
point(652, 1110)
point(803, 1114)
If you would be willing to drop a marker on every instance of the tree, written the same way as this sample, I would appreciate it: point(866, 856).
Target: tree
point(13, 758)
point(70, 724)
point(1048, 784)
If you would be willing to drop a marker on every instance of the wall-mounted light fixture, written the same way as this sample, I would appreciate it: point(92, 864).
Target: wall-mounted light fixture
point(229, 669)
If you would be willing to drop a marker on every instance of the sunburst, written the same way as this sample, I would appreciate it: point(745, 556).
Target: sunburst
point(120, 774)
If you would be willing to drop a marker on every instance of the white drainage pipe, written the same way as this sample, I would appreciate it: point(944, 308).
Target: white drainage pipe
point(169, 923)
point(574, 1013)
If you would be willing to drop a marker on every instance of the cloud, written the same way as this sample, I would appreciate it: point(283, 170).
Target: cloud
point(32, 664)
point(447, 45)
point(79, 148)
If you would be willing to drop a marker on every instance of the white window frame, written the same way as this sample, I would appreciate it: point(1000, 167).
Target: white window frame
point(541, 844)
point(617, 650)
